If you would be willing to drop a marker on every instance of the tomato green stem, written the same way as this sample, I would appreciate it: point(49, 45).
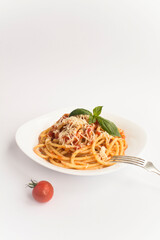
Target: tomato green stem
point(32, 184)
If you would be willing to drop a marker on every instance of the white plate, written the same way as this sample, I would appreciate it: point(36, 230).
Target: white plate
point(27, 138)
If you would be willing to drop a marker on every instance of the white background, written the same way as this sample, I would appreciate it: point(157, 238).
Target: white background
point(57, 53)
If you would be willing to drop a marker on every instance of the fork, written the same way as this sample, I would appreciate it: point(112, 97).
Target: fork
point(136, 161)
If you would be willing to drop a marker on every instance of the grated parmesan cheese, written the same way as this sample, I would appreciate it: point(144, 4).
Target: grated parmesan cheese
point(73, 130)
point(103, 154)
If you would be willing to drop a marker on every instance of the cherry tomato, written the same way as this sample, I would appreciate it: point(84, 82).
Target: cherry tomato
point(42, 191)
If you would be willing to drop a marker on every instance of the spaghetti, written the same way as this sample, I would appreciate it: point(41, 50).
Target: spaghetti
point(74, 143)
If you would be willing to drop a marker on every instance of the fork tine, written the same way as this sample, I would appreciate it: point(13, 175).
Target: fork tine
point(135, 159)
point(129, 162)
point(129, 158)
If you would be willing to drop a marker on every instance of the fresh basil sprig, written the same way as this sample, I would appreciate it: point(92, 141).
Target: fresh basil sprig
point(108, 126)
point(80, 111)
point(105, 124)
point(97, 111)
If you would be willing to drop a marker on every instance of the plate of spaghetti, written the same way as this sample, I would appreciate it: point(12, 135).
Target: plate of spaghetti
point(80, 142)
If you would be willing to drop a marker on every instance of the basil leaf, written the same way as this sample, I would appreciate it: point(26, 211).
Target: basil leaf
point(90, 119)
point(97, 111)
point(94, 119)
point(108, 126)
point(80, 111)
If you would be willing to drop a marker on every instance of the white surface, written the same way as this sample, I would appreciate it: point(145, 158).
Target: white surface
point(27, 138)
point(57, 53)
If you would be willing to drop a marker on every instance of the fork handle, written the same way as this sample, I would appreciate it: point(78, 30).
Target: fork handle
point(151, 168)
